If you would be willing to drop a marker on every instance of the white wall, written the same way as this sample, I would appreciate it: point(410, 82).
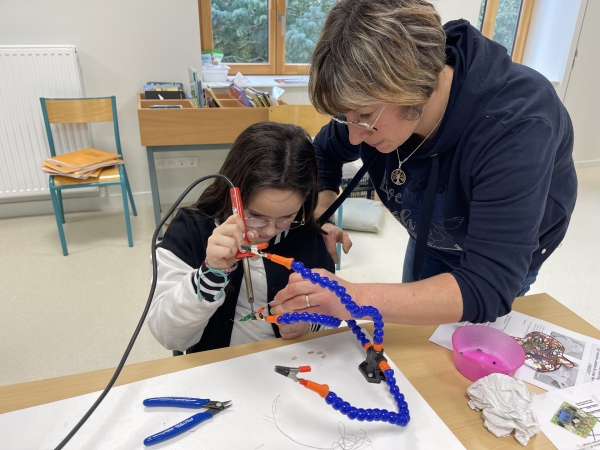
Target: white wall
point(458, 9)
point(550, 40)
point(121, 46)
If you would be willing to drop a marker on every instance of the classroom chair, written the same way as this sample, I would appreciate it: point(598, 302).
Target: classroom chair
point(85, 110)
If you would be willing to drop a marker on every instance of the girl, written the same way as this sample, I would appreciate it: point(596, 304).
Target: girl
point(200, 294)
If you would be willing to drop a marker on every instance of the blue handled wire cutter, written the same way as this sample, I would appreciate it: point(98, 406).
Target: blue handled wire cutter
point(212, 408)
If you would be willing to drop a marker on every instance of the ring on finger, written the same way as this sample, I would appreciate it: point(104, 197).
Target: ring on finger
point(307, 301)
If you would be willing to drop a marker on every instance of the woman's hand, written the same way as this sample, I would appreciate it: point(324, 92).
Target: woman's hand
point(225, 242)
point(333, 236)
point(322, 301)
point(293, 330)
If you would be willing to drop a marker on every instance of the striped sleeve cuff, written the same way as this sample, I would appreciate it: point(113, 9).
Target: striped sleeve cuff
point(209, 285)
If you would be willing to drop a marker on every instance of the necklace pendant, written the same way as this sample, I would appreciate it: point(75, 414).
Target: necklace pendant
point(398, 176)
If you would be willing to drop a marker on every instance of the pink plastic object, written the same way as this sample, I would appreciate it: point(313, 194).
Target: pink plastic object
point(480, 350)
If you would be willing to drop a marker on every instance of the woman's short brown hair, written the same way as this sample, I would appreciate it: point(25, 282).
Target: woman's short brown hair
point(384, 51)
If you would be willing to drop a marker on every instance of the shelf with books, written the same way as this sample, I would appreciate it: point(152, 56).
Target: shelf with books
point(190, 126)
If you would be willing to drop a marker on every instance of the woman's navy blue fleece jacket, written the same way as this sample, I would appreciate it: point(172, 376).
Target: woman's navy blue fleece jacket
point(506, 184)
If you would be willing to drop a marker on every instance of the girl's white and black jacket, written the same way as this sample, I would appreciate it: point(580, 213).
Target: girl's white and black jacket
point(179, 318)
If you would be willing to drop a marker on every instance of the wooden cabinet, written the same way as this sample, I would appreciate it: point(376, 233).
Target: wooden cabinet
point(189, 125)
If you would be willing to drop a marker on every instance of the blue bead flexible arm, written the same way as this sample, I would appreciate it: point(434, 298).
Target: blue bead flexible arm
point(402, 417)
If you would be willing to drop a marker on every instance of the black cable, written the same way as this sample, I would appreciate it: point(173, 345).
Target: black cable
point(146, 309)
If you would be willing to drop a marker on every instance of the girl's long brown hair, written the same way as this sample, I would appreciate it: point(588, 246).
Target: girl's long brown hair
point(266, 155)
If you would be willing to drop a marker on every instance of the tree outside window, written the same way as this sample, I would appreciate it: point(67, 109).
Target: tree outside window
point(279, 36)
point(506, 22)
point(264, 36)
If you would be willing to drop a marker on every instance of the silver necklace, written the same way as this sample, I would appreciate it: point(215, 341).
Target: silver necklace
point(398, 176)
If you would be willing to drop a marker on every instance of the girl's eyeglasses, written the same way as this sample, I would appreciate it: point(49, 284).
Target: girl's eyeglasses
point(252, 222)
point(361, 125)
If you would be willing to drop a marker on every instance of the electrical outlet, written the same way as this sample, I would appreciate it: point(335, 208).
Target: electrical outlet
point(176, 163)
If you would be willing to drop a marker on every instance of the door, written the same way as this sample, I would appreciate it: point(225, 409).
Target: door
point(582, 97)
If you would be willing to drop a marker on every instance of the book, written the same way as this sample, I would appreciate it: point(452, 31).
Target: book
point(83, 158)
point(238, 93)
point(163, 90)
point(193, 76)
point(253, 98)
point(58, 168)
point(210, 93)
point(299, 80)
point(163, 84)
point(82, 174)
point(201, 94)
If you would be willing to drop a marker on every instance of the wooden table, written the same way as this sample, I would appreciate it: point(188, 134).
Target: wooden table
point(190, 128)
point(427, 366)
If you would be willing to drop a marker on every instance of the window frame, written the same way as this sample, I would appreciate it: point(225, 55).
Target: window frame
point(276, 64)
point(276, 52)
point(489, 22)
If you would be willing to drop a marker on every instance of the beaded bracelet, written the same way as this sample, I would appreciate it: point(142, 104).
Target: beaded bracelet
point(223, 273)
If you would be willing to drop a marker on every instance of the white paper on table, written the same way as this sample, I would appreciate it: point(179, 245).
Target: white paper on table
point(586, 397)
point(583, 351)
point(122, 422)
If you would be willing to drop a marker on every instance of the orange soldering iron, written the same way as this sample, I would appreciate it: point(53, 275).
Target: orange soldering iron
point(238, 208)
point(249, 250)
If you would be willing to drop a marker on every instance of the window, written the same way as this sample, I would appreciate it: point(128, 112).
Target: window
point(263, 36)
point(506, 22)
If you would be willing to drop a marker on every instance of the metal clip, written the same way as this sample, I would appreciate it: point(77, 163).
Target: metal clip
point(292, 372)
point(255, 249)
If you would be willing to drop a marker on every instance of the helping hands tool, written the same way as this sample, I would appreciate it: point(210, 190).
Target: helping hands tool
point(375, 368)
point(212, 408)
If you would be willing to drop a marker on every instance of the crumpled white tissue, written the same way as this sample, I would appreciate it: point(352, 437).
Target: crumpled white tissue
point(505, 405)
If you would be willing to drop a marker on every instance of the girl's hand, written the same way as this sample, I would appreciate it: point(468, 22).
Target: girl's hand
point(294, 330)
point(225, 242)
point(335, 235)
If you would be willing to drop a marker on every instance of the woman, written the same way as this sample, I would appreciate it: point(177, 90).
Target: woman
point(200, 294)
point(472, 155)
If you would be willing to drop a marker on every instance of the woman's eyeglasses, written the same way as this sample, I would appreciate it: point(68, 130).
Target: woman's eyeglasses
point(252, 222)
point(361, 125)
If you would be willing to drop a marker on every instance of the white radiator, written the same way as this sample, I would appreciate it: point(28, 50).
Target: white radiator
point(28, 72)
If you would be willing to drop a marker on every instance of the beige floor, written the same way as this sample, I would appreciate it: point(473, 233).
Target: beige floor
point(63, 315)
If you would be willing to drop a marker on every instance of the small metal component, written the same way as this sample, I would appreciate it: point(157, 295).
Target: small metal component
point(254, 315)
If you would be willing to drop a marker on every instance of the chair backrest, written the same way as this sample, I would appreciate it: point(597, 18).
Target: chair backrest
point(79, 110)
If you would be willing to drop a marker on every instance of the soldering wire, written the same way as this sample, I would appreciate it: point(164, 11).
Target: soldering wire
point(146, 309)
